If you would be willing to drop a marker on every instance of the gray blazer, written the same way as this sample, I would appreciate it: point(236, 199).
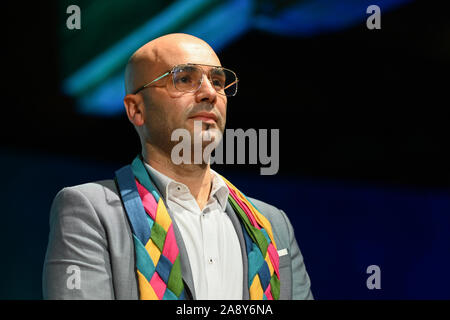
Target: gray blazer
point(89, 232)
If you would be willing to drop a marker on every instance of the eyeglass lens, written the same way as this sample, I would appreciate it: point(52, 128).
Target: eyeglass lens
point(188, 78)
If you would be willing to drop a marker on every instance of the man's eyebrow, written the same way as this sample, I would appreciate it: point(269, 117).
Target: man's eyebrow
point(217, 71)
point(188, 68)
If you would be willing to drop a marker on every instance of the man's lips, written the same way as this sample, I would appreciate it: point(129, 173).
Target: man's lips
point(205, 117)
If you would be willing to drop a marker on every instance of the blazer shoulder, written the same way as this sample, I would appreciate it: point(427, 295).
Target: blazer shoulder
point(97, 203)
point(99, 198)
point(277, 218)
point(96, 192)
point(269, 211)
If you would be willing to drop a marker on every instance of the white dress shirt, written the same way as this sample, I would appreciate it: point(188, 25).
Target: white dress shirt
point(209, 236)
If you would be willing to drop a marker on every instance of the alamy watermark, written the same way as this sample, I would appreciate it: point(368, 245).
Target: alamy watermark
point(74, 278)
point(258, 147)
point(374, 280)
point(74, 20)
point(374, 20)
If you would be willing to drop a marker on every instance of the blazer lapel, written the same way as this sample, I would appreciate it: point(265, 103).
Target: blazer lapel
point(238, 227)
point(186, 270)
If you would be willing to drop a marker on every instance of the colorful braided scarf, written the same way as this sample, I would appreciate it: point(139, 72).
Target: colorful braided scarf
point(158, 265)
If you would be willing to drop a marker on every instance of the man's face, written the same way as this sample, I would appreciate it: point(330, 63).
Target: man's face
point(168, 109)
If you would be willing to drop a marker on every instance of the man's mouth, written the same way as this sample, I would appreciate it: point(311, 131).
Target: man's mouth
point(206, 117)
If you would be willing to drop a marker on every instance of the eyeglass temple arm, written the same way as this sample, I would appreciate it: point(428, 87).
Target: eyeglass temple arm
point(146, 85)
point(235, 81)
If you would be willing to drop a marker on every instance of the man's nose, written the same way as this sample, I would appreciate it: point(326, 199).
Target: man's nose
point(206, 92)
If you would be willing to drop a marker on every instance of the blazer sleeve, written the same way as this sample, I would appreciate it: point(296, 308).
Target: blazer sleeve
point(301, 284)
point(77, 263)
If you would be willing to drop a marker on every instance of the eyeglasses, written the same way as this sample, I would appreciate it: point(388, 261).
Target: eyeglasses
point(189, 78)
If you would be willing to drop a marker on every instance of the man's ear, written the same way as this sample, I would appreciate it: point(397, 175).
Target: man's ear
point(134, 105)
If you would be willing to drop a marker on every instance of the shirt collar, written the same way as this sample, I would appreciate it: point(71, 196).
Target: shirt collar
point(161, 180)
point(219, 188)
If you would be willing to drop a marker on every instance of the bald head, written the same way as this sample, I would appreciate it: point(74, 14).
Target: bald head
point(161, 54)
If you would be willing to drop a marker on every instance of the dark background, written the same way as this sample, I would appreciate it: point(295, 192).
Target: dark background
point(364, 134)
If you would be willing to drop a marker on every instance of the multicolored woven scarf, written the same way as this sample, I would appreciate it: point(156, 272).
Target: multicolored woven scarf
point(263, 259)
point(158, 265)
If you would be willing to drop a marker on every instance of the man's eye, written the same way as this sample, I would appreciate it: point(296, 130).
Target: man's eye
point(218, 83)
point(184, 79)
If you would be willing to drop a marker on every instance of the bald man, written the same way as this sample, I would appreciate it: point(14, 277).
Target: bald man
point(164, 229)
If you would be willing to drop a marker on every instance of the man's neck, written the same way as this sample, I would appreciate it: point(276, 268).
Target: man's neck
point(197, 177)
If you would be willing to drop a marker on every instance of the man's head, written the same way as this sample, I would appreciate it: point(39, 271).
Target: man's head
point(159, 109)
